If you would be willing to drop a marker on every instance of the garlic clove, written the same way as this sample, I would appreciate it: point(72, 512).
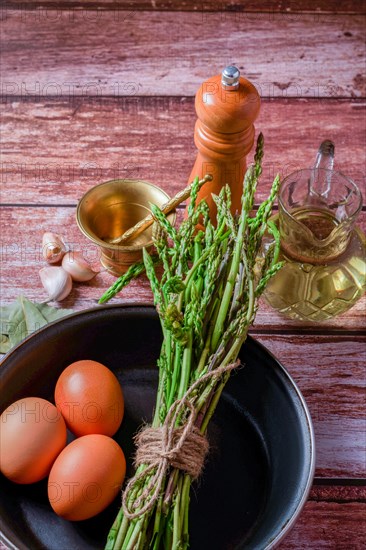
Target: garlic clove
point(53, 247)
point(78, 267)
point(56, 281)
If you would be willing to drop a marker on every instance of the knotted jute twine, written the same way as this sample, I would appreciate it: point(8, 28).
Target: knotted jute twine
point(160, 448)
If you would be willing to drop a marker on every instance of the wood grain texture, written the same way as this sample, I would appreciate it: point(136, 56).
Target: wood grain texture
point(237, 6)
point(338, 493)
point(329, 371)
point(55, 150)
point(324, 525)
point(79, 52)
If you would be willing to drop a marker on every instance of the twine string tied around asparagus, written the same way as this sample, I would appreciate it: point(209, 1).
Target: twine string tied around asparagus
point(158, 449)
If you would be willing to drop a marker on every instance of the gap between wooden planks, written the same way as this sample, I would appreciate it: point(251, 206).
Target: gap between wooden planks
point(333, 517)
point(329, 371)
point(54, 150)
point(241, 7)
point(78, 52)
point(328, 525)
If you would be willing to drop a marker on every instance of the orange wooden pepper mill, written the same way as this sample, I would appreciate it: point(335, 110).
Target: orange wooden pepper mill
point(226, 106)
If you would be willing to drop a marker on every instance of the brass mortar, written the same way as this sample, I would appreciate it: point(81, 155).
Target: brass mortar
point(109, 209)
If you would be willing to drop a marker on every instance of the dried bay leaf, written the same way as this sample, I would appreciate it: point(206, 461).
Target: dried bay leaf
point(4, 343)
point(51, 313)
point(22, 317)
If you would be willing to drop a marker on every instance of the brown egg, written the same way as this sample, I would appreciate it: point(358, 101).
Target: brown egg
point(86, 477)
point(90, 398)
point(32, 434)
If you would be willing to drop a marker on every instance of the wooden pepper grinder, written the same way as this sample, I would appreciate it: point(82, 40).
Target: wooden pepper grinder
point(226, 106)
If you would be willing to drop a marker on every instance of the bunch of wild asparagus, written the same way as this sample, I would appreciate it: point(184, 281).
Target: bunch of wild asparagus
point(206, 298)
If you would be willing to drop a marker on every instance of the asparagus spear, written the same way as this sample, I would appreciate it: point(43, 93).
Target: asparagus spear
point(206, 299)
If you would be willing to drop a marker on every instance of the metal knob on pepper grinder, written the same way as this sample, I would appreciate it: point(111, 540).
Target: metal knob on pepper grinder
point(226, 106)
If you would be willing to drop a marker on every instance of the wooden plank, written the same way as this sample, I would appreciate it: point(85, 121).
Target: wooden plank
point(324, 525)
point(54, 150)
point(22, 229)
point(172, 53)
point(238, 6)
point(347, 492)
point(330, 372)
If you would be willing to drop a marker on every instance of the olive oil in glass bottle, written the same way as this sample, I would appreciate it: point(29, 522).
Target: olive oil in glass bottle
point(325, 254)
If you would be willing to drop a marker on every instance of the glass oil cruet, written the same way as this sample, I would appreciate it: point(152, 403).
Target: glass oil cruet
point(324, 252)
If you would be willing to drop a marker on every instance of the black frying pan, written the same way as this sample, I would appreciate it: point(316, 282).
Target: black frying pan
point(261, 460)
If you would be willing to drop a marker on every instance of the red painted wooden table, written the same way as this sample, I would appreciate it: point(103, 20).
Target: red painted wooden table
point(95, 90)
